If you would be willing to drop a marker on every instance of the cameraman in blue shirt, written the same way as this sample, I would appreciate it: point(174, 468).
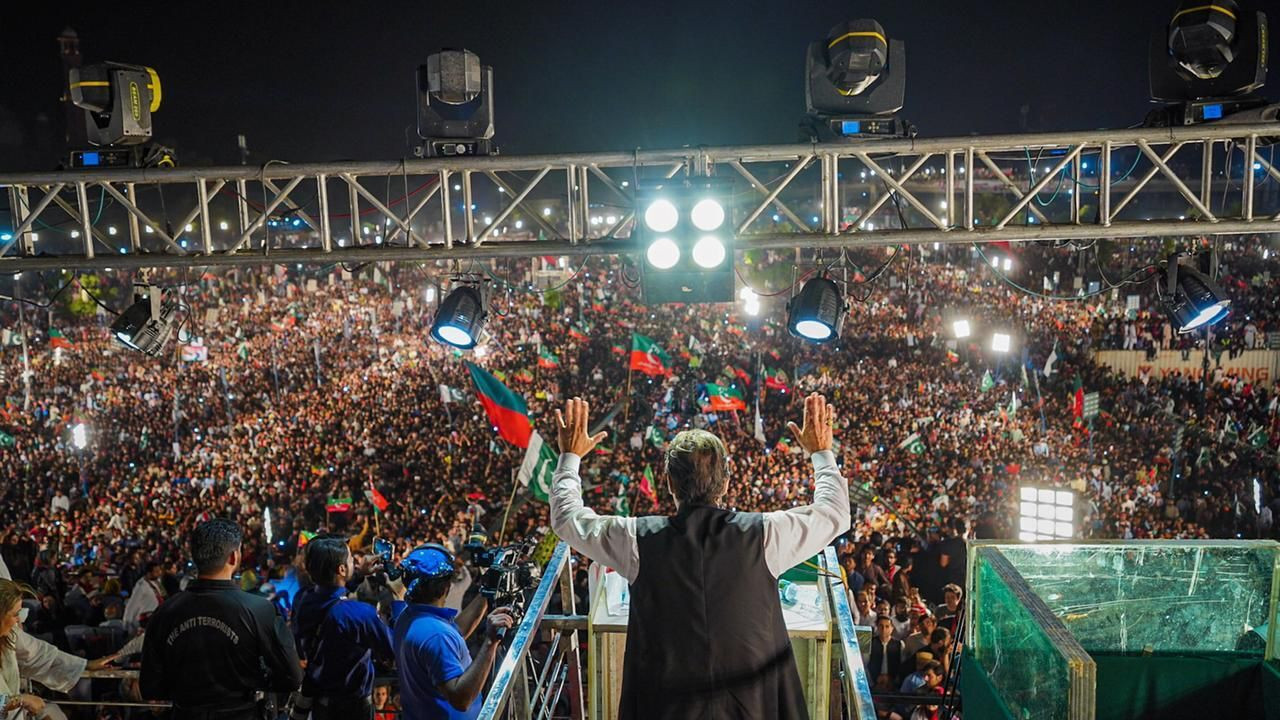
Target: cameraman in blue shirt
point(439, 680)
point(338, 638)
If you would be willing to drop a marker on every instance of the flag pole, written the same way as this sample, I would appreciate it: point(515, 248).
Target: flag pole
point(626, 415)
point(515, 483)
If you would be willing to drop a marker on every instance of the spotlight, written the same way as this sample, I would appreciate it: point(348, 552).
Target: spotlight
point(78, 436)
point(708, 215)
point(961, 328)
point(147, 325)
point(1207, 63)
point(460, 318)
point(661, 216)
point(663, 253)
point(1000, 342)
point(118, 101)
point(455, 105)
point(708, 252)
point(1191, 299)
point(1008, 264)
point(817, 312)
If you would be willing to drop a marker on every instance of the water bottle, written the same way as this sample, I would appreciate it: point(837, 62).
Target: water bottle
point(787, 592)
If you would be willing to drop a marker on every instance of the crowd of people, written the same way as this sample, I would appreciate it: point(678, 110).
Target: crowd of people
point(321, 384)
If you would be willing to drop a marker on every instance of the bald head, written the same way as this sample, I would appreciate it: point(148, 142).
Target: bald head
point(697, 468)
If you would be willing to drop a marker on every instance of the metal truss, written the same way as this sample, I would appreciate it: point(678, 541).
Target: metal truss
point(1208, 179)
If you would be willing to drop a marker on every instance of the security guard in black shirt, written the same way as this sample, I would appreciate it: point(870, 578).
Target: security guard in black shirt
point(209, 649)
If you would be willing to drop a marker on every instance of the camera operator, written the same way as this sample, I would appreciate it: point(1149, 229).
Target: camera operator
point(438, 677)
point(339, 638)
point(705, 635)
point(209, 648)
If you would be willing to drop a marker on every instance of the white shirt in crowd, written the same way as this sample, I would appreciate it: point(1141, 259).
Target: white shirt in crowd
point(144, 599)
point(60, 502)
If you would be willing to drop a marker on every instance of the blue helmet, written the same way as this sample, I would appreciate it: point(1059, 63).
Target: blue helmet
point(425, 563)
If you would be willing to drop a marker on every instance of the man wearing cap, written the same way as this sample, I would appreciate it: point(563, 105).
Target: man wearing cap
point(924, 625)
point(439, 680)
point(705, 632)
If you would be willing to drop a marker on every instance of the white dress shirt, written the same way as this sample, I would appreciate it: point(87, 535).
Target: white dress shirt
point(790, 536)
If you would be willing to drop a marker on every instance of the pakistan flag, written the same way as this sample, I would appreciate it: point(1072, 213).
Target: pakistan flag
point(538, 467)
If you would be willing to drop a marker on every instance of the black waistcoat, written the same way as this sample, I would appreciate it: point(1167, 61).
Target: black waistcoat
point(706, 639)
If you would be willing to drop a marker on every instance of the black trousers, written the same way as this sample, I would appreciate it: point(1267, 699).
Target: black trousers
point(329, 708)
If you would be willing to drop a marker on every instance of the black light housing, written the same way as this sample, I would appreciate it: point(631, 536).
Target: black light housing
point(147, 325)
point(460, 318)
point(1192, 300)
point(817, 312)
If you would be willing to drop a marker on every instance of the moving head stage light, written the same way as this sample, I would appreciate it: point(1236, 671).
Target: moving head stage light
point(1207, 63)
point(1191, 299)
point(818, 311)
point(855, 82)
point(455, 105)
point(118, 101)
point(147, 325)
point(461, 317)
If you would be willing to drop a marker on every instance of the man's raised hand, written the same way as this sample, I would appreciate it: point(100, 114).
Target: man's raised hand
point(819, 418)
point(571, 426)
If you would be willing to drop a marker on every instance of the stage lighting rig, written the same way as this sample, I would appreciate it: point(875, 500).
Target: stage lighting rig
point(855, 83)
point(455, 105)
point(147, 325)
point(1207, 63)
point(685, 236)
point(818, 311)
point(461, 316)
point(1190, 297)
point(118, 101)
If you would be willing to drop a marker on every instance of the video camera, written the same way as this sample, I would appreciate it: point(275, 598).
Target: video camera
point(508, 573)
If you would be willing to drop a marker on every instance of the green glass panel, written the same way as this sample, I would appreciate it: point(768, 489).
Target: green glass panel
point(1023, 665)
point(1154, 597)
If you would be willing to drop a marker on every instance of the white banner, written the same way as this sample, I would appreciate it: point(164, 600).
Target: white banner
point(1255, 366)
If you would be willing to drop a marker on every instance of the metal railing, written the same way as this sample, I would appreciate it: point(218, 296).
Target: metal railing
point(820, 195)
point(853, 675)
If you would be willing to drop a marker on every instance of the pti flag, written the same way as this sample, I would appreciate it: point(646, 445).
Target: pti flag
point(375, 498)
point(648, 357)
point(722, 397)
point(58, 340)
point(506, 409)
point(338, 504)
point(547, 359)
point(775, 379)
point(538, 466)
point(647, 483)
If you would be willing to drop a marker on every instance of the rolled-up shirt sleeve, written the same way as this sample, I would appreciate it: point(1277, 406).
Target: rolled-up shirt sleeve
point(607, 539)
point(792, 536)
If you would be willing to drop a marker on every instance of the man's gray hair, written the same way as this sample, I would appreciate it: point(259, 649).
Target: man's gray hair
point(696, 463)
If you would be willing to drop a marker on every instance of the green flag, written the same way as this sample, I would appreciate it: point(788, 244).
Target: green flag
point(654, 436)
point(537, 468)
point(7, 440)
point(914, 444)
point(987, 382)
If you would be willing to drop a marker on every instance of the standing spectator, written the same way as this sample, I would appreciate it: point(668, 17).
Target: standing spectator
point(886, 656)
point(146, 596)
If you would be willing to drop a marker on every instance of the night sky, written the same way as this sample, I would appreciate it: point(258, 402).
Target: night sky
point(324, 81)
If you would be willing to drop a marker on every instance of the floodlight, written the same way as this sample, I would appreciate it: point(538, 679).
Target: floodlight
point(1000, 342)
point(817, 312)
point(147, 325)
point(1029, 493)
point(1045, 514)
point(961, 328)
point(460, 318)
point(663, 253)
point(78, 436)
point(707, 215)
point(1065, 498)
point(708, 252)
point(455, 104)
point(661, 216)
point(1191, 299)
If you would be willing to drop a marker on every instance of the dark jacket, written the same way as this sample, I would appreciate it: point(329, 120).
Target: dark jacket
point(339, 640)
point(706, 639)
point(213, 645)
point(877, 656)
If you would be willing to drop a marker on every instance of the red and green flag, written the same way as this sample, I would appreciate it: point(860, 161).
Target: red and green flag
point(618, 349)
point(775, 379)
point(304, 537)
point(58, 340)
point(547, 359)
point(952, 356)
point(722, 397)
point(506, 410)
point(338, 504)
point(523, 375)
point(647, 484)
point(648, 356)
point(375, 498)
point(579, 330)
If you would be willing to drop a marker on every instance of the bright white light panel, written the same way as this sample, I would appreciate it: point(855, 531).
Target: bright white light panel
point(1046, 514)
